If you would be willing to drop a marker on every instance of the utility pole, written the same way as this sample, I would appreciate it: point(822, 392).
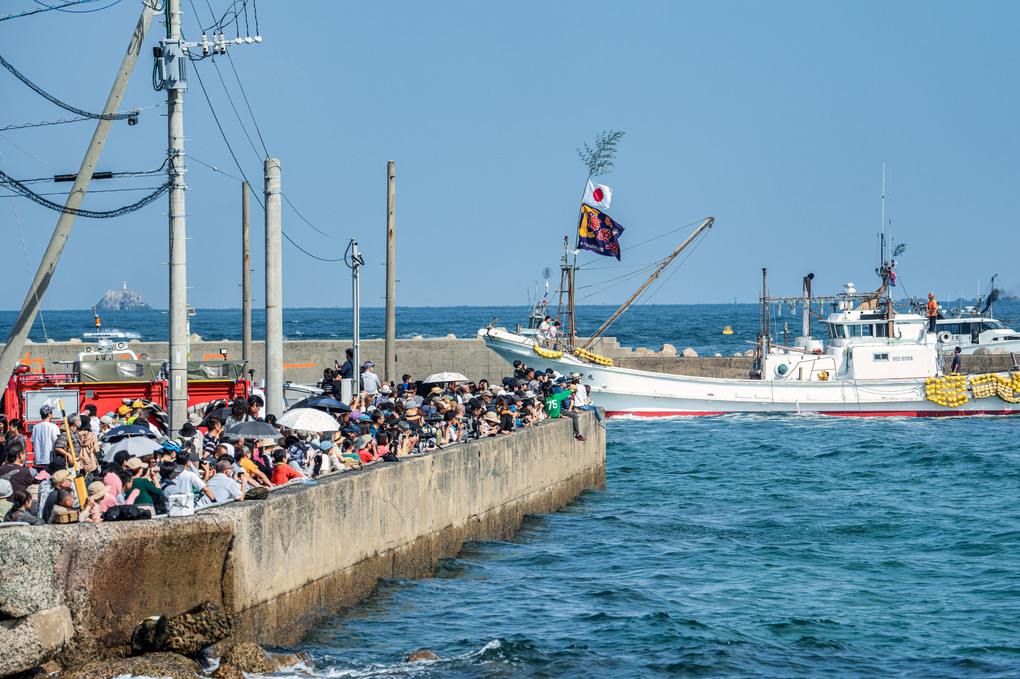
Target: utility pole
point(245, 275)
point(356, 262)
point(174, 66)
point(274, 290)
point(391, 273)
point(47, 266)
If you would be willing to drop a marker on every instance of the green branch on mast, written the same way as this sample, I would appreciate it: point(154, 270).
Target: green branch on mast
point(599, 158)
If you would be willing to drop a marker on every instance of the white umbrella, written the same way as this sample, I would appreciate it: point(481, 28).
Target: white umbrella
point(136, 446)
point(308, 419)
point(445, 377)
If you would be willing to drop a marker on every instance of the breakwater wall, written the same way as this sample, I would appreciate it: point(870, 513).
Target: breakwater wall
point(276, 566)
point(304, 360)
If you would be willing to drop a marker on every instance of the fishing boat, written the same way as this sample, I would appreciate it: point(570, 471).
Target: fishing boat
point(972, 329)
point(877, 361)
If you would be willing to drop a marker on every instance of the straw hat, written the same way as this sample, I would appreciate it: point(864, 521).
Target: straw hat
point(98, 490)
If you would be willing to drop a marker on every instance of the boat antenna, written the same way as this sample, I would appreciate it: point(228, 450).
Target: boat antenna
point(99, 323)
point(704, 225)
point(883, 262)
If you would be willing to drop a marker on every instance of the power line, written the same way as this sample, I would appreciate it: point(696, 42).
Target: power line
point(67, 107)
point(30, 155)
point(252, 113)
point(47, 8)
point(80, 11)
point(17, 187)
point(241, 170)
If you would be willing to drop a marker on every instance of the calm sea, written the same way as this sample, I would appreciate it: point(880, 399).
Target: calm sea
point(727, 546)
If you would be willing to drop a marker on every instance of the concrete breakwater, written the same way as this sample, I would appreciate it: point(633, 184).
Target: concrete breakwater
point(304, 360)
point(275, 567)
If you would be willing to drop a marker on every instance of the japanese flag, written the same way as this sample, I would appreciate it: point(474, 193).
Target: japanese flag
point(597, 196)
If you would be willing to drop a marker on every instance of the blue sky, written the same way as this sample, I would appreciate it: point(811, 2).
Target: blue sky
point(773, 117)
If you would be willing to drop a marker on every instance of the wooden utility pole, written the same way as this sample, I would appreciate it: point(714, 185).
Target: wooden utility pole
point(47, 266)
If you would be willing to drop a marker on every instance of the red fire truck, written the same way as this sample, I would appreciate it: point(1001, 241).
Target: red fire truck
point(110, 375)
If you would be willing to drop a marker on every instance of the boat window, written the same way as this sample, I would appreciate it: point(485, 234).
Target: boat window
point(881, 357)
point(836, 330)
point(882, 330)
point(991, 325)
point(952, 328)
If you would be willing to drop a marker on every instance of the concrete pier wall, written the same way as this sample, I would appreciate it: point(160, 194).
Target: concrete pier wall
point(279, 565)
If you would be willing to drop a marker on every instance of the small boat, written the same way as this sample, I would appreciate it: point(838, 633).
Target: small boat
point(972, 330)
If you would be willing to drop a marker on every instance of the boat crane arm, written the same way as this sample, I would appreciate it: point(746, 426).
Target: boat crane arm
point(704, 225)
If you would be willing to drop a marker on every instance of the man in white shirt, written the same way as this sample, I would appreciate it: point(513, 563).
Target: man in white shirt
point(581, 400)
point(543, 331)
point(44, 435)
point(223, 487)
point(370, 382)
point(187, 481)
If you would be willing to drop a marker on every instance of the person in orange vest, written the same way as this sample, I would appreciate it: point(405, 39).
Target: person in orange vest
point(933, 311)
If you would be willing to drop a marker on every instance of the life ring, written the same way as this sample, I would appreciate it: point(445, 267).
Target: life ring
point(945, 336)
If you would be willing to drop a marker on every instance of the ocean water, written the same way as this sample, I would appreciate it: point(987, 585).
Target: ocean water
point(698, 326)
point(731, 546)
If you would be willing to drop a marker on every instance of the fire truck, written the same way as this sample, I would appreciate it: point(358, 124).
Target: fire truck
point(109, 375)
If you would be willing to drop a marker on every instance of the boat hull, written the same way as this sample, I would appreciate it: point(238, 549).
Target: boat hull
point(623, 391)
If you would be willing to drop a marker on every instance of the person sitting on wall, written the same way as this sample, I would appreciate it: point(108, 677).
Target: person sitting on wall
point(283, 472)
point(224, 487)
point(15, 471)
point(242, 454)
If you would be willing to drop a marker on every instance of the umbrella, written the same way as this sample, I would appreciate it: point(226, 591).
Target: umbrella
point(222, 413)
point(127, 431)
point(445, 377)
point(136, 446)
point(308, 419)
point(256, 429)
point(322, 403)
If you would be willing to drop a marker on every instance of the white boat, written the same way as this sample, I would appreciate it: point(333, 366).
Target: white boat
point(877, 362)
point(971, 331)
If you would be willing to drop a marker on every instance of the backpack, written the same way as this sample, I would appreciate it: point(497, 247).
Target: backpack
point(126, 513)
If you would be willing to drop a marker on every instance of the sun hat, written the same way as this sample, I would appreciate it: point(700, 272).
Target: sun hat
point(411, 414)
point(436, 390)
point(134, 463)
point(575, 376)
point(385, 389)
point(98, 490)
point(60, 476)
point(106, 419)
point(194, 419)
point(529, 394)
point(188, 430)
point(5, 488)
point(491, 417)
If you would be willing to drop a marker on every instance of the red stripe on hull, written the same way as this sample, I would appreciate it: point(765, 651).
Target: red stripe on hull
point(877, 413)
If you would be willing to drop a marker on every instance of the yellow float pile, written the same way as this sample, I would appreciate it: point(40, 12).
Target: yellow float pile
point(546, 353)
point(593, 358)
point(949, 391)
point(984, 386)
point(1007, 387)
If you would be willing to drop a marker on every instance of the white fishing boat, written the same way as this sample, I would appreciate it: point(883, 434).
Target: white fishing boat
point(877, 361)
point(972, 329)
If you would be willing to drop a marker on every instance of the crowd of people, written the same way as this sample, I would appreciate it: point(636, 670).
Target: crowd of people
point(210, 460)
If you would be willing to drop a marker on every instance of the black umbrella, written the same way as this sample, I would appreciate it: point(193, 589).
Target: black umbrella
point(323, 403)
point(222, 413)
point(126, 431)
point(256, 429)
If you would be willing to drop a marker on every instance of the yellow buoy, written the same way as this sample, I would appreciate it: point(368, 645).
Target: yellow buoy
point(727, 330)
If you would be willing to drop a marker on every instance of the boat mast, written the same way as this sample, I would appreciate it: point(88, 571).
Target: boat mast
point(567, 288)
point(704, 225)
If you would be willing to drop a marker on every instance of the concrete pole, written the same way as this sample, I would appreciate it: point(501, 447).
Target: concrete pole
point(245, 275)
point(356, 309)
point(178, 245)
point(47, 266)
point(274, 290)
point(391, 273)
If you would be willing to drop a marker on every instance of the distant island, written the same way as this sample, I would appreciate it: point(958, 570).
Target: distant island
point(122, 300)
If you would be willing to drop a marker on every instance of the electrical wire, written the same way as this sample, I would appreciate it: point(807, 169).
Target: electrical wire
point(17, 187)
point(241, 170)
point(21, 234)
point(315, 228)
point(80, 11)
point(67, 107)
point(31, 156)
point(46, 8)
point(252, 113)
point(67, 193)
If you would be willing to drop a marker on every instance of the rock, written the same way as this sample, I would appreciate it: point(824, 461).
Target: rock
point(33, 639)
point(981, 351)
point(195, 337)
point(641, 351)
point(150, 635)
point(422, 654)
point(200, 627)
point(122, 300)
point(737, 353)
point(282, 661)
point(717, 355)
point(228, 671)
point(667, 350)
point(749, 352)
point(248, 657)
point(689, 353)
point(169, 665)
